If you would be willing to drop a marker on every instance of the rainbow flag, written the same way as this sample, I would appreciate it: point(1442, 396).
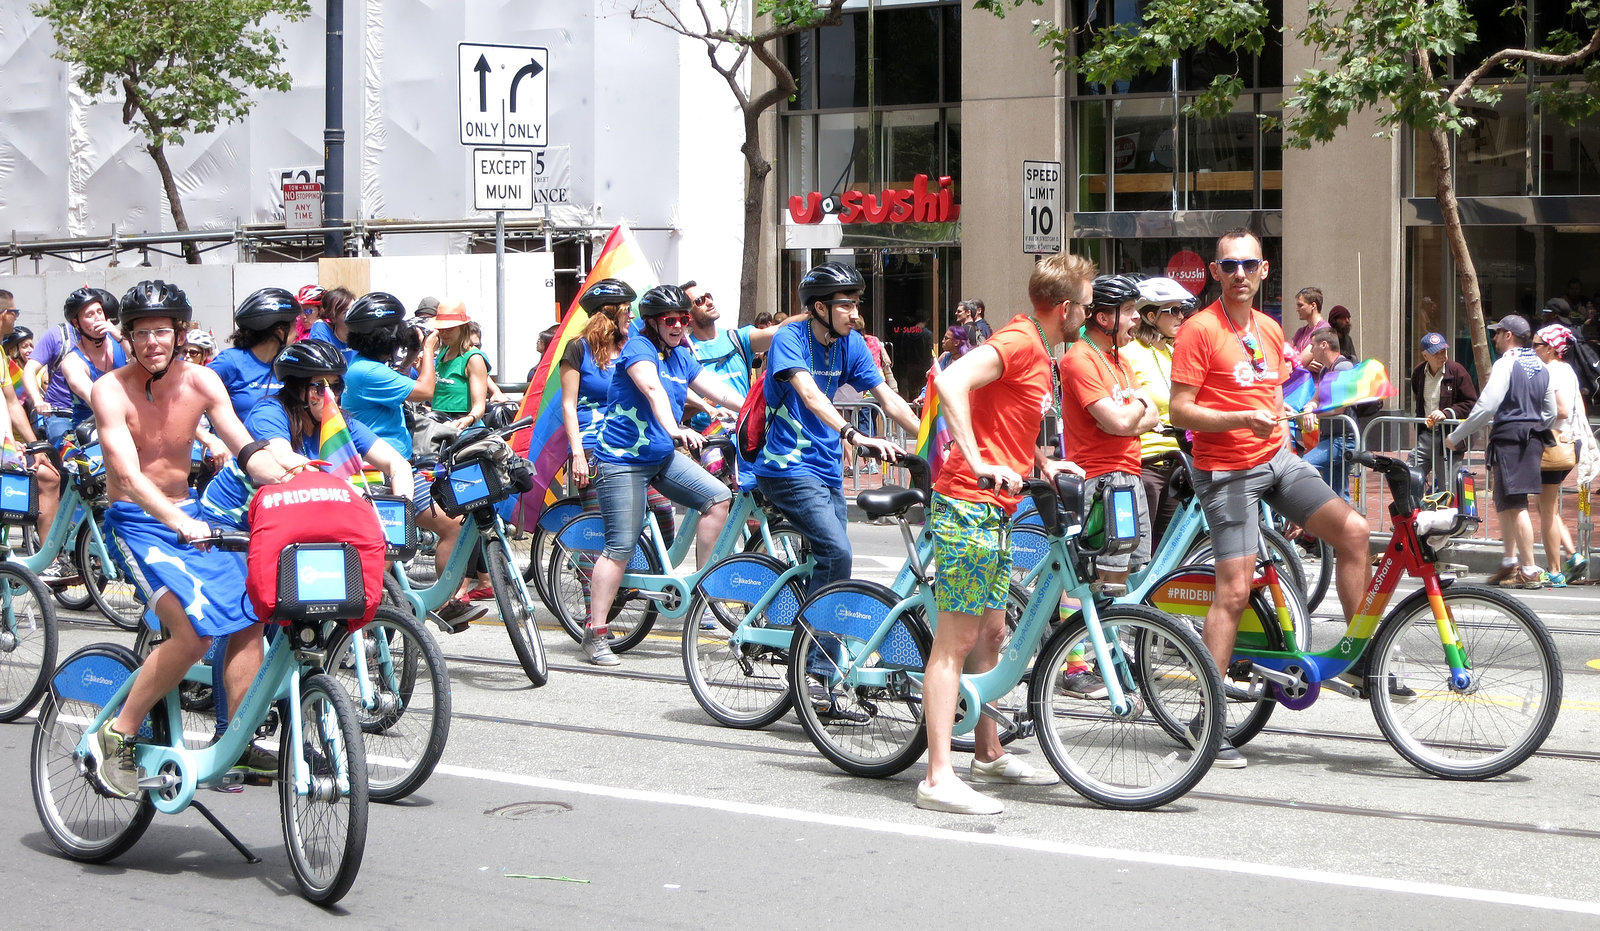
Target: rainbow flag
point(933, 437)
point(14, 374)
point(335, 446)
point(545, 443)
point(1366, 381)
point(10, 453)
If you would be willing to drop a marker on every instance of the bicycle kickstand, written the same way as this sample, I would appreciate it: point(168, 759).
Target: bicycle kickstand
point(227, 835)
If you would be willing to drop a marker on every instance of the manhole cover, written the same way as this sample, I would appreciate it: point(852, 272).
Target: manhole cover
point(529, 809)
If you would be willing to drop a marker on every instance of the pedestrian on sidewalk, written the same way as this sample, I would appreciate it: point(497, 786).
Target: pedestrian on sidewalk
point(1551, 344)
point(1520, 401)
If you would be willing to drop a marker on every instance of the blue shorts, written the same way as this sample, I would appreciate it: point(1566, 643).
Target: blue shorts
point(209, 585)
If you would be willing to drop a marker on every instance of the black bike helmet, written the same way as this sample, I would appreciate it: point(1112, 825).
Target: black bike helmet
point(1112, 291)
point(83, 297)
point(109, 303)
point(606, 291)
point(662, 299)
point(498, 415)
point(265, 309)
point(155, 299)
point(19, 334)
point(371, 312)
point(829, 279)
point(309, 358)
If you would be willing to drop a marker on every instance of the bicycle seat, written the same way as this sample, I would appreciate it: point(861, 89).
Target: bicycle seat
point(889, 501)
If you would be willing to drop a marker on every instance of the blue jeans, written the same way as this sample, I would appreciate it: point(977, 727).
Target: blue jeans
point(1328, 458)
point(56, 427)
point(822, 517)
point(621, 489)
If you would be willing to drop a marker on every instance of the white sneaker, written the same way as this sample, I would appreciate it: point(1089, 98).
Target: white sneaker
point(1011, 770)
point(956, 797)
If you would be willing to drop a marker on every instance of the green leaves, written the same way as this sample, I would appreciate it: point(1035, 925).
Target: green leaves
point(179, 65)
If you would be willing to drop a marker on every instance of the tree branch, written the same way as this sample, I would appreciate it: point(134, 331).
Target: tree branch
point(1521, 54)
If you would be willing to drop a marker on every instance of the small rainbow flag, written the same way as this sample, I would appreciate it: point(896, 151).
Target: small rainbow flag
point(545, 443)
point(933, 437)
point(14, 373)
point(1297, 393)
point(336, 447)
point(1366, 381)
point(10, 452)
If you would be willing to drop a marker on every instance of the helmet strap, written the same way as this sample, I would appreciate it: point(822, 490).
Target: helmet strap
point(826, 319)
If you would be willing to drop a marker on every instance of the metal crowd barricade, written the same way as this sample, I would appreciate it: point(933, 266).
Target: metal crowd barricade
point(867, 416)
point(1398, 434)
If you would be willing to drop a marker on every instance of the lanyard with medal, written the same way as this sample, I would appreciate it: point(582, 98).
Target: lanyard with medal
point(1050, 426)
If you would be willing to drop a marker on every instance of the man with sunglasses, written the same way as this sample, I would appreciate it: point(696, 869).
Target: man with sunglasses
point(1228, 370)
point(729, 353)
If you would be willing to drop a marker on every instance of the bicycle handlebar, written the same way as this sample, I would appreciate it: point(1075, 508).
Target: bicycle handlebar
point(230, 540)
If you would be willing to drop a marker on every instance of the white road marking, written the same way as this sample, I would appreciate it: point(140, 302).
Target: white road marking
point(1296, 874)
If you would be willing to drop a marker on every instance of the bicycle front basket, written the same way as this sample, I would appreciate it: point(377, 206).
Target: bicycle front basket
point(320, 581)
point(397, 518)
point(469, 484)
point(19, 497)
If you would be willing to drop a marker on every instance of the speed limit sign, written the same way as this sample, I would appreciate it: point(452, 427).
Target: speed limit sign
point(1041, 208)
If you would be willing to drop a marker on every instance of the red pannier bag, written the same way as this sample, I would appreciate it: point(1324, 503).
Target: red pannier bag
point(315, 515)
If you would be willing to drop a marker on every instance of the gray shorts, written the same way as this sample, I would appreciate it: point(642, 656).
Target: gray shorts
point(1232, 499)
point(1140, 554)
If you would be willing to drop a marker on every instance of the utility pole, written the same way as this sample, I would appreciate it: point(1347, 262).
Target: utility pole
point(333, 134)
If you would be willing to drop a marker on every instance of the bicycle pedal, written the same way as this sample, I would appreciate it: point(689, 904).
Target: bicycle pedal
point(1345, 688)
point(256, 779)
point(1451, 568)
point(1109, 589)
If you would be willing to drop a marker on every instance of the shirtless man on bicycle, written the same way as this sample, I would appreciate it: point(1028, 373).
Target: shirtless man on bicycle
point(147, 413)
point(1228, 370)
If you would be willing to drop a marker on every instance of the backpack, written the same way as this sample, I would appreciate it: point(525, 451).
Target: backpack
point(1585, 362)
point(312, 507)
point(750, 427)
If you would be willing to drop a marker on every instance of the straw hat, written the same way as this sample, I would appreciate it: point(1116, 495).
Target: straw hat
point(452, 313)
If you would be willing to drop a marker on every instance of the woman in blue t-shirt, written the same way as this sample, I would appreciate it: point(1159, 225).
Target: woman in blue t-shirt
point(587, 365)
point(636, 448)
point(261, 328)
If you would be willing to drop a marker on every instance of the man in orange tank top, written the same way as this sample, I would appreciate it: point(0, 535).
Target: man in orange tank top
point(1228, 370)
point(1012, 380)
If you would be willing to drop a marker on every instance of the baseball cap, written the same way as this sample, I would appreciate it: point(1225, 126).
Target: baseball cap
point(1558, 306)
point(1515, 324)
point(427, 307)
point(1434, 342)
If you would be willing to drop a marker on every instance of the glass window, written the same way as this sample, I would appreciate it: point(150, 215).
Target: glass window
point(1090, 130)
point(907, 59)
point(1220, 159)
point(800, 169)
point(910, 146)
point(841, 152)
point(1569, 156)
point(842, 63)
point(1499, 25)
point(1492, 156)
point(952, 53)
point(952, 148)
point(1143, 154)
point(799, 54)
point(1272, 155)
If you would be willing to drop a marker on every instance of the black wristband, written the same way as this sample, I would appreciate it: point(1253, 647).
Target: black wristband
point(246, 451)
point(849, 435)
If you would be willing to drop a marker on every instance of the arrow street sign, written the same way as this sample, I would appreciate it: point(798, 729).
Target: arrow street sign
point(504, 95)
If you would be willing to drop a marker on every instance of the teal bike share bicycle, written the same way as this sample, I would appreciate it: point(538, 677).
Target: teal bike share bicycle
point(1115, 749)
point(322, 775)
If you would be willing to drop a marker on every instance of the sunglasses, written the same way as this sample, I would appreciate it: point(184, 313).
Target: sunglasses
point(703, 299)
point(1231, 266)
point(328, 384)
point(674, 319)
point(194, 353)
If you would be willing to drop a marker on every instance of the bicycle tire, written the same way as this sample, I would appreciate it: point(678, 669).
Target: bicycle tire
point(516, 612)
point(73, 597)
point(1125, 760)
point(324, 830)
point(1284, 554)
point(631, 617)
point(27, 640)
point(394, 595)
point(887, 733)
point(405, 722)
point(118, 599)
point(1493, 724)
point(1013, 706)
point(551, 520)
point(1316, 565)
point(742, 686)
point(791, 543)
point(87, 825)
point(1245, 719)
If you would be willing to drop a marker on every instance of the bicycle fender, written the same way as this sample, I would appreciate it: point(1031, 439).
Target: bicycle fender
point(745, 579)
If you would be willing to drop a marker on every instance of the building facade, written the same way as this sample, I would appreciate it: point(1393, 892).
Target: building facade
point(906, 98)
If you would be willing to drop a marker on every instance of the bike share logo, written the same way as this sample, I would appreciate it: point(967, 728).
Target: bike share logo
point(844, 613)
point(742, 581)
point(465, 491)
point(92, 678)
point(14, 495)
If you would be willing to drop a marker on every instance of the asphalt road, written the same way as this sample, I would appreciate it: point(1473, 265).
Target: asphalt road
point(609, 797)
